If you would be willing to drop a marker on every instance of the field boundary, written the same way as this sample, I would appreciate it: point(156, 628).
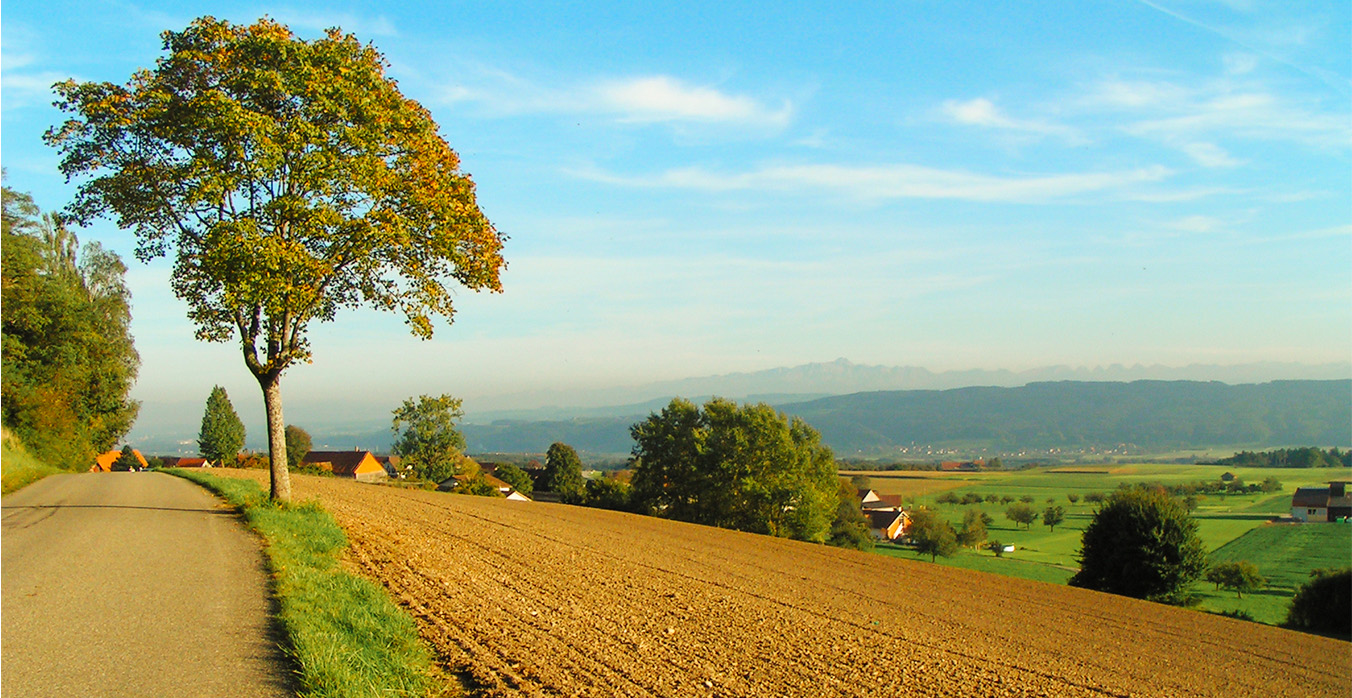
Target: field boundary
point(345, 633)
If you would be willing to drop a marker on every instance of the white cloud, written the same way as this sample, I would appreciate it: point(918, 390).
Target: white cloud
point(1240, 63)
point(1197, 224)
point(899, 181)
point(646, 99)
point(1210, 155)
point(983, 112)
point(663, 98)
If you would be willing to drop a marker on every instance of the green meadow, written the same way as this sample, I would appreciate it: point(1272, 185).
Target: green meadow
point(1232, 526)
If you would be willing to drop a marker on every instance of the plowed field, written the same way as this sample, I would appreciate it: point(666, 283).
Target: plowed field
point(533, 599)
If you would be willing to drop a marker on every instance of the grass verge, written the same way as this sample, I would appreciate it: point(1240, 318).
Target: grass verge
point(347, 636)
point(18, 467)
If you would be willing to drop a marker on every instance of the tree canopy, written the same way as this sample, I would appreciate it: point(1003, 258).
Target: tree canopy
point(68, 356)
point(221, 437)
point(1141, 543)
point(931, 535)
point(426, 437)
point(563, 471)
point(291, 179)
point(298, 443)
point(748, 468)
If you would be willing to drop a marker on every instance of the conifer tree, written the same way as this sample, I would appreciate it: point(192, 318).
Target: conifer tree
point(222, 435)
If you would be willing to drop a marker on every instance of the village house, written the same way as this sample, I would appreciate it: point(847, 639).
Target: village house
point(1322, 504)
point(888, 524)
point(359, 465)
point(454, 481)
point(183, 462)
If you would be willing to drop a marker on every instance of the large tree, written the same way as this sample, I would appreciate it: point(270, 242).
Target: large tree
point(291, 178)
point(427, 439)
point(931, 535)
point(68, 356)
point(1141, 543)
point(744, 467)
point(221, 436)
point(563, 472)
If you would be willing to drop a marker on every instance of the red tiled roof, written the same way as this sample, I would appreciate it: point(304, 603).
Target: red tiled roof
point(344, 462)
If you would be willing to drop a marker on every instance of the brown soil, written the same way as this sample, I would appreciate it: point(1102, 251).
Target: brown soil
point(534, 599)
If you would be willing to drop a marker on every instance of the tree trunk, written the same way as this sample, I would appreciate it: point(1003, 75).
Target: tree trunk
point(272, 402)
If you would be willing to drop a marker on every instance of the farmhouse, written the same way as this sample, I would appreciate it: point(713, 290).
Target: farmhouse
point(177, 462)
point(888, 524)
point(952, 466)
point(359, 465)
point(886, 502)
point(1322, 503)
point(103, 463)
point(455, 481)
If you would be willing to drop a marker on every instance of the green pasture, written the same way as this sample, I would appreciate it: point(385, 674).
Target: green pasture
point(1233, 527)
point(1285, 554)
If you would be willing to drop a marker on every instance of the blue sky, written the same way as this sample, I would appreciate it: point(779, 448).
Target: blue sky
point(701, 188)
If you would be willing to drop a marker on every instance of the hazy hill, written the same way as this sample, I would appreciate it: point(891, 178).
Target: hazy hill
point(1149, 416)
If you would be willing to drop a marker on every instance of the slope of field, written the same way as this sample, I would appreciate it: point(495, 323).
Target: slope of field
point(532, 599)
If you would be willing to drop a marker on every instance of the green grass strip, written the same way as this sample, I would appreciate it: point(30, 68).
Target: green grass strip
point(18, 467)
point(347, 636)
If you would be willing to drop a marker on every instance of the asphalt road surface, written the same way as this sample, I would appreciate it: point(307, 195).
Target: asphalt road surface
point(132, 584)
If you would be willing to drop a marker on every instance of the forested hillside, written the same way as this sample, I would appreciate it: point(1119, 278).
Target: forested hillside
point(68, 357)
point(1150, 416)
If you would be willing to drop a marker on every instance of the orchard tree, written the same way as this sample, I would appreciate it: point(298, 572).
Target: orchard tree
point(290, 178)
point(1238, 576)
point(931, 535)
point(973, 531)
point(745, 467)
point(1021, 514)
point(221, 437)
point(1052, 516)
point(426, 437)
point(298, 444)
point(1141, 543)
point(563, 472)
point(513, 475)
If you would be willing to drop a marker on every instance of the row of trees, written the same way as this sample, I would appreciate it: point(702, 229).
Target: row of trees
point(68, 356)
point(1306, 457)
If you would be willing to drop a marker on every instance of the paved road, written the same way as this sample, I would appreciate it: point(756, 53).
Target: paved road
point(132, 584)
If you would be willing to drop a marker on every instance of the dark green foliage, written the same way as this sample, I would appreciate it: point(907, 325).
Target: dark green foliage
point(222, 435)
point(1052, 516)
point(607, 493)
point(849, 529)
point(1324, 604)
point(563, 471)
point(1022, 514)
point(1306, 457)
point(1239, 576)
point(1141, 543)
point(931, 535)
point(68, 357)
point(1072, 497)
point(516, 477)
point(996, 547)
point(297, 445)
point(426, 437)
point(748, 468)
point(477, 486)
point(126, 460)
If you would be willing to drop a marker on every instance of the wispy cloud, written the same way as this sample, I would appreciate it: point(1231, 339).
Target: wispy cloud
point(664, 98)
point(1211, 155)
point(983, 112)
point(643, 99)
point(883, 182)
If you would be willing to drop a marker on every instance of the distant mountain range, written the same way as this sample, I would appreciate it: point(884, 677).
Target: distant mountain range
point(1049, 417)
point(598, 419)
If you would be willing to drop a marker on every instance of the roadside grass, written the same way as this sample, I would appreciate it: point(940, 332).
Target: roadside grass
point(347, 636)
point(18, 467)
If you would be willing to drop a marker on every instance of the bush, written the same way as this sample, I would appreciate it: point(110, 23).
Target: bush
point(1324, 604)
point(947, 498)
point(607, 493)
